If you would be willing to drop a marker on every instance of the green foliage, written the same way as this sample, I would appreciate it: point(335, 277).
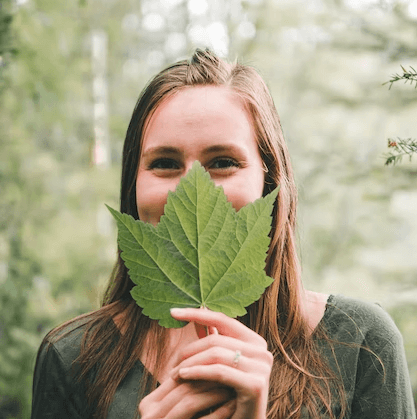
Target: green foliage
point(7, 47)
point(45, 178)
point(409, 76)
point(400, 148)
point(324, 66)
point(17, 265)
point(6, 19)
point(202, 253)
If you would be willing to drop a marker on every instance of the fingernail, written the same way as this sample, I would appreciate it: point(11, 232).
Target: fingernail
point(176, 311)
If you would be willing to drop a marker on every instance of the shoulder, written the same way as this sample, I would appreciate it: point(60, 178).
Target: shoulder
point(66, 339)
point(367, 323)
point(365, 347)
point(64, 343)
point(56, 391)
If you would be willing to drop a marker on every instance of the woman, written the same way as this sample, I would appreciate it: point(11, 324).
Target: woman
point(296, 354)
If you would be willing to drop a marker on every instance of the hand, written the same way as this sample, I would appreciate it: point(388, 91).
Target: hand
point(216, 359)
point(187, 400)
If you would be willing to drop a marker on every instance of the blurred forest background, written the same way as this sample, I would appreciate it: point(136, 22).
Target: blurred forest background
point(70, 74)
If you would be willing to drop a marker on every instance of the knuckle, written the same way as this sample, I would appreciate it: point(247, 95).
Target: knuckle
point(187, 404)
point(263, 343)
point(142, 404)
point(216, 354)
point(221, 373)
point(257, 384)
point(212, 339)
point(269, 358)
point(259, 341)
point(144, 409)
point(264, 370)
point(222, 316)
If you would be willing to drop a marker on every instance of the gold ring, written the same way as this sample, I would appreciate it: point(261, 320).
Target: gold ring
point(236, 359)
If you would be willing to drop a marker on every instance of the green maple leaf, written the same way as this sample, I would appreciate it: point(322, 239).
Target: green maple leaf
point(202, 253)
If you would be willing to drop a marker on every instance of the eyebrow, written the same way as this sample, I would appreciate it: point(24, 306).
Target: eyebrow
point(161, 150)
point(169, 150)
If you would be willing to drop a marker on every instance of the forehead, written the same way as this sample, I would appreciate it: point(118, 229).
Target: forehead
point(199, 111)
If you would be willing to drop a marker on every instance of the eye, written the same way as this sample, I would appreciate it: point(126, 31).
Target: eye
point(224, 163)
point(164, 164)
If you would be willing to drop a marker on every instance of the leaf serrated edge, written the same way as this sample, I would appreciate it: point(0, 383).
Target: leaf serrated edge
point(120, 219)
point(270, 197)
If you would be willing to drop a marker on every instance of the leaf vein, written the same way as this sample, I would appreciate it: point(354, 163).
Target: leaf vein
point(163, 270)
point(241, 248)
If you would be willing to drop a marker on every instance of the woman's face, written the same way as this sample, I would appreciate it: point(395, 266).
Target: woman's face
point(208, 124)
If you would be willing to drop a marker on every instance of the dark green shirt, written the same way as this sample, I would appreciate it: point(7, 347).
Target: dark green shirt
point(372, 391)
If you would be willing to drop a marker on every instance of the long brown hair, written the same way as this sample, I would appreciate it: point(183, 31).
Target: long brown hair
point(300, 378)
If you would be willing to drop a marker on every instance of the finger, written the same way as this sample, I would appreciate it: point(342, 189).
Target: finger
point(223, 412)
point(251, 390)
point(192, 403)
point(227, 376)
point(170, 386)
point(154, 398)
point(217, 355)
point(203, 331)
point(160, 392)
point(224, 324)
point(218, 343)
point(213, 330)
point(162, 403)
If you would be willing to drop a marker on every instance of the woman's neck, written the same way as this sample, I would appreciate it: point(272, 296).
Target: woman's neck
point(313, 305)
point(176, 339)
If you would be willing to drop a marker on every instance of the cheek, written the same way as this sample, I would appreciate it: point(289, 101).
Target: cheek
point(241, 195)
point(240, 200)
point(150, 204)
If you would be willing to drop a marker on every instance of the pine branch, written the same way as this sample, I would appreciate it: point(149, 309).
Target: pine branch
point(407, 76)
point(399, 149)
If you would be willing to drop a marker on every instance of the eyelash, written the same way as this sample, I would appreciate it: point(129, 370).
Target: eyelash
point(231, 162)
point(156, 162)
point(165, 161)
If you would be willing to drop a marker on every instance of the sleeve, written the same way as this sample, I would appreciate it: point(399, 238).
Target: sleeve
point(383, 389)
point(54, 394)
